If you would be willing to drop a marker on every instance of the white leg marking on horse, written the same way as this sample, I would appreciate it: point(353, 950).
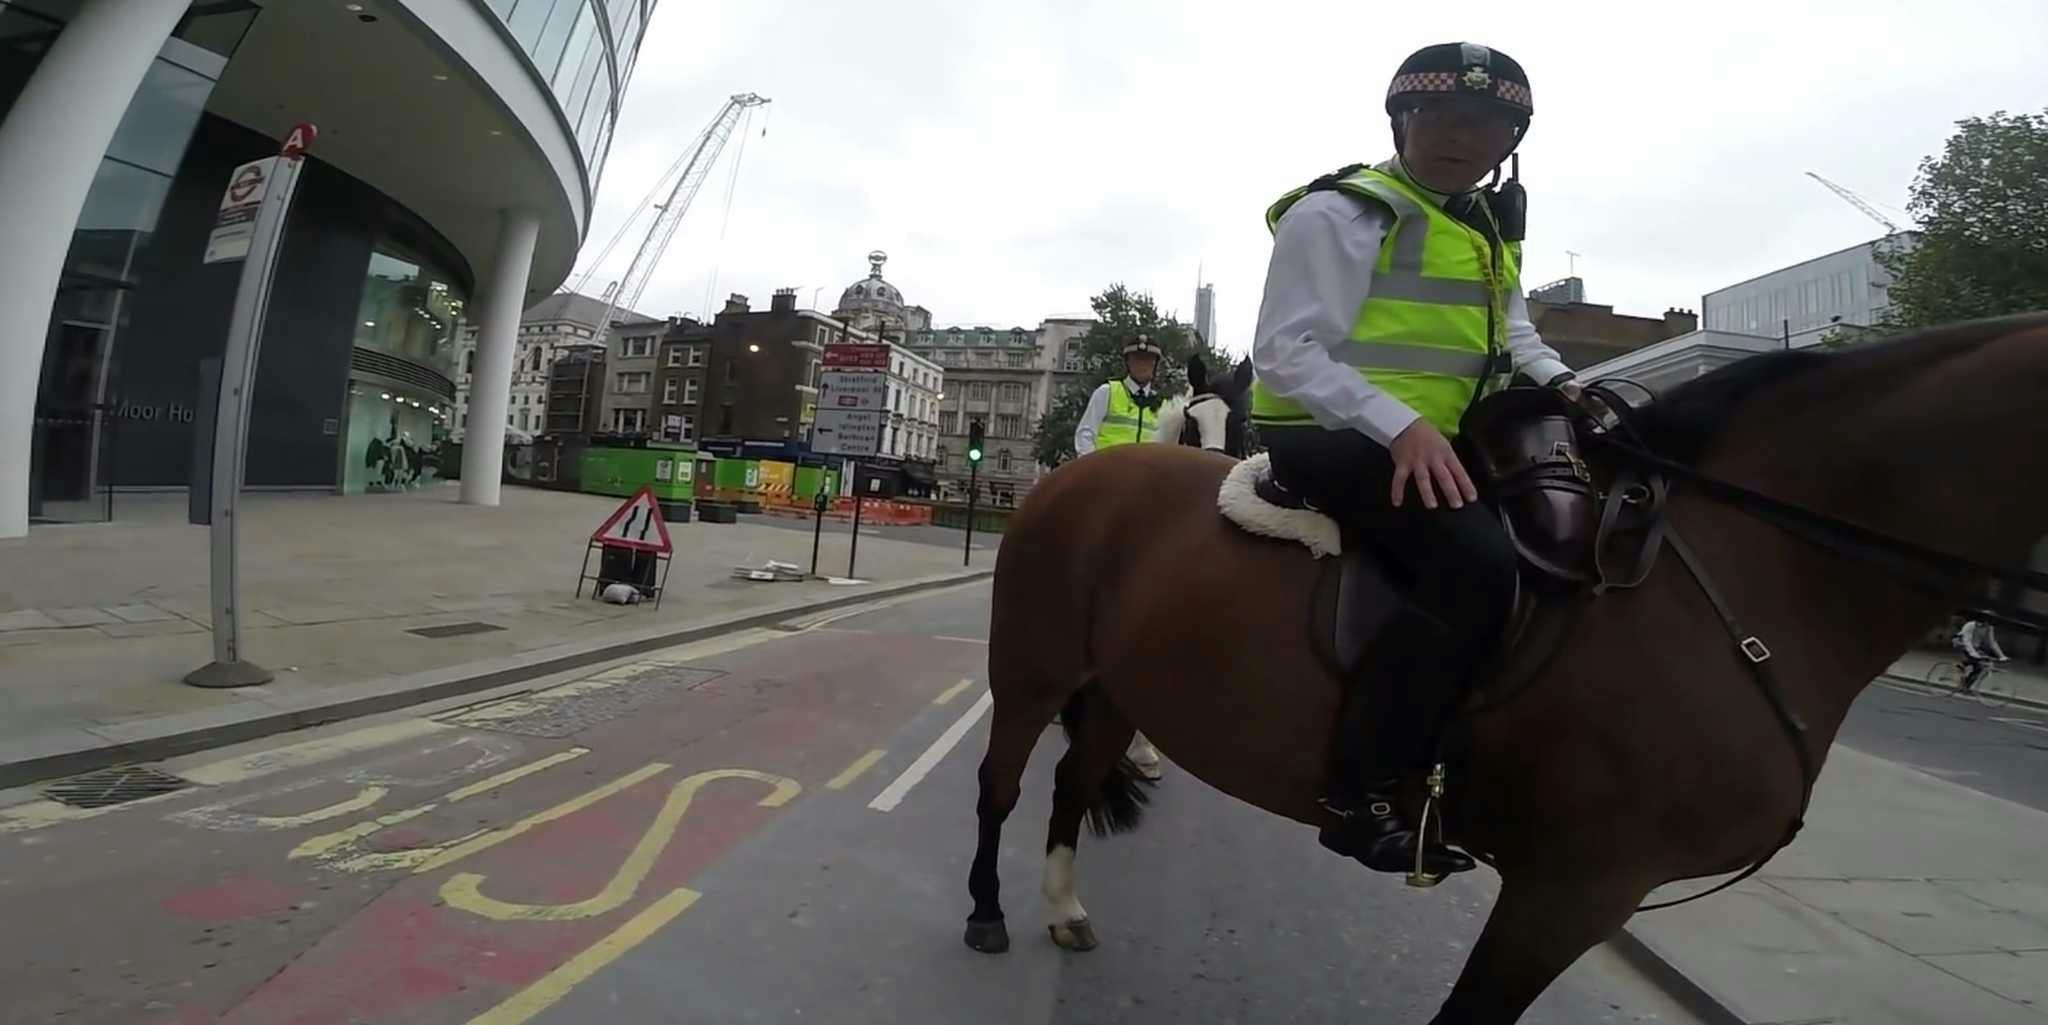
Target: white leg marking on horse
point(1062, 902)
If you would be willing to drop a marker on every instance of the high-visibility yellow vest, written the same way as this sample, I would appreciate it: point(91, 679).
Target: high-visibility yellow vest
point(1435, 312)
point(1127, 423)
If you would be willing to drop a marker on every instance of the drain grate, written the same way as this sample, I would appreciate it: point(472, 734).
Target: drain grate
point(118, 785)
point(455, 630)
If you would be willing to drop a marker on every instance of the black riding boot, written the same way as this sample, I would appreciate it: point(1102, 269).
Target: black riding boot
point(1390, 709)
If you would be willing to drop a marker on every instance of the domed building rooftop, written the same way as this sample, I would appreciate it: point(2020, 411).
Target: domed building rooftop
point(872, 299)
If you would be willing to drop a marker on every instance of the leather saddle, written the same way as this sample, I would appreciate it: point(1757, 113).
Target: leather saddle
point(1579, 532)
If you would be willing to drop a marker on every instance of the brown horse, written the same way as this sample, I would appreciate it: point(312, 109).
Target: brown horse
point(1642, 754)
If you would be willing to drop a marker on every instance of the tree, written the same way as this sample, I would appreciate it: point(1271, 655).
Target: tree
point(1983, 213)
point(1120, 316)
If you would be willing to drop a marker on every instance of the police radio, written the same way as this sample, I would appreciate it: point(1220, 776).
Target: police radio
point(1510, 202)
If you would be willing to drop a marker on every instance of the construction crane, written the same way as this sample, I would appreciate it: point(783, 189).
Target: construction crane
point(1858, 202)
point(689, 172)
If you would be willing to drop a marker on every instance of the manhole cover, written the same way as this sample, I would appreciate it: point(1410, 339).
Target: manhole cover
point(580, 707)
point(118, 785)
point(455, 630)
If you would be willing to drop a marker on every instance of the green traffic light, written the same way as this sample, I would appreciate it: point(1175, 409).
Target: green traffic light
point(974, 454)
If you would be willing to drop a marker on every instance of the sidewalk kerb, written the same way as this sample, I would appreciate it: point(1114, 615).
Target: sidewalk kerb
point(1664, 973)
point(158, 737)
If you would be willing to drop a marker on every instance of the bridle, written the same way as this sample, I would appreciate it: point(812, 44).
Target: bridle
point(1920, 567)
point(1190, 428)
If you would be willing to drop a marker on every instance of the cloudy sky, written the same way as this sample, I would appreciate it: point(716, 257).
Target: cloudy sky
point(1015, 158)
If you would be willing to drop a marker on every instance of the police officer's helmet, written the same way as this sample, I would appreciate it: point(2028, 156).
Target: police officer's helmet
point(1461, 69)
point(1143, 343)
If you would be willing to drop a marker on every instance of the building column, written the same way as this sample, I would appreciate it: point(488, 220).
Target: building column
point(50, 147)
point(497, 340)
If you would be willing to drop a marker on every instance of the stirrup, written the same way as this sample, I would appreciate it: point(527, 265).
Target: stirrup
point(1433, 793)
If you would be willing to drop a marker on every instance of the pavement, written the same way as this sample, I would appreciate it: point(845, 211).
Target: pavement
point(768, 826)
point(1917, 892)
point(362, 604)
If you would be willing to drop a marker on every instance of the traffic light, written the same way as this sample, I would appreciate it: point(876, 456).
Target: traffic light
point(974, 441)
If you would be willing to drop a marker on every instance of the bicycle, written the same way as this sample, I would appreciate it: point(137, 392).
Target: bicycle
point(1948, 676)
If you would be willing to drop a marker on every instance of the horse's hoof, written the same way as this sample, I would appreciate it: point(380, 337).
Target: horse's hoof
point(988, 937)
point(1076, 935)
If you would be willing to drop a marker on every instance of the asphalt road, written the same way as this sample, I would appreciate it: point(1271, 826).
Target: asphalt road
point(1991, 747)
point(698, 835)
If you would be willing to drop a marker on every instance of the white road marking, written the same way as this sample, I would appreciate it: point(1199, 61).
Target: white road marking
point(893, 794)
point(2031, 724)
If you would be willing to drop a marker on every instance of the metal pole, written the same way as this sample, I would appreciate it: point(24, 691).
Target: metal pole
point(967, 547)
point(818, 526)
point(1787, 335)
point(231, 429)
point(854, 550)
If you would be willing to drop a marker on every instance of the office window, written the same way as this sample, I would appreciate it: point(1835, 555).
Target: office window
point(696, 356)
point(1009, 425)
point(978, 391)
point(670, 389)
point(690, 389)
point(688, 430)
point(1003, 460)
point(675, 355)
point(638, 347)
point(469, 362)
point(634, 382)
point(629, 421)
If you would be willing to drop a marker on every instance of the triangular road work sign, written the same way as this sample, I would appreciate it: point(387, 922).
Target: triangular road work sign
point(636, 524)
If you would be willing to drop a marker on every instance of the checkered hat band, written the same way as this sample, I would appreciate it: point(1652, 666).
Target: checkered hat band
point(1424, 82)
point(1447, 82)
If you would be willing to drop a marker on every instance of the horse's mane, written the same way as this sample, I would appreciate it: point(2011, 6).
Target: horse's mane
point(1172, 417)
point(1683, 422)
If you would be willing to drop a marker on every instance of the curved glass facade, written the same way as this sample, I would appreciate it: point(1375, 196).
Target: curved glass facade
point(584, 51)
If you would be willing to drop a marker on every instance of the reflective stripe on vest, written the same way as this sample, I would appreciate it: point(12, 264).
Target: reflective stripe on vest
point(1422, 333)
point(1127, 422)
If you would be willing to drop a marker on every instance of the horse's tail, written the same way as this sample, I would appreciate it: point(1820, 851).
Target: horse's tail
point(1120, 803)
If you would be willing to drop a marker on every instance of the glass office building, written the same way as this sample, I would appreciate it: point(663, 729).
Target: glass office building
point(435, 116)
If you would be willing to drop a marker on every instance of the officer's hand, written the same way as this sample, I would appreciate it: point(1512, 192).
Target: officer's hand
point(1571, 388)
point(1422, 452)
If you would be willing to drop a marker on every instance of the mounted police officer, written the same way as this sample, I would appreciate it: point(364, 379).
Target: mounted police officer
point(1392, 295)
point(1125, 412)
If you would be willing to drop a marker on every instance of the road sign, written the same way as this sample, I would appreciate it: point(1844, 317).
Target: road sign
point(234, 225)
point(848, 432)
point(296, 141)
point(871, 358)
point(843, 389)
point(637, 524)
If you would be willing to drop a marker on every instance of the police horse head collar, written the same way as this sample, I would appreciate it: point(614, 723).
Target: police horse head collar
point(1214, 413)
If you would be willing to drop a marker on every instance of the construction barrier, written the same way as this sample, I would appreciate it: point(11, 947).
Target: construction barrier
point(878, 511)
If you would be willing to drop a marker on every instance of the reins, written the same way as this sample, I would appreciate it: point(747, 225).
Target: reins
point(1921, 567)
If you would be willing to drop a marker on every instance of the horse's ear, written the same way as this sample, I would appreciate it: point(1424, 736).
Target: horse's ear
point(1198, 375)
point(1243, 377)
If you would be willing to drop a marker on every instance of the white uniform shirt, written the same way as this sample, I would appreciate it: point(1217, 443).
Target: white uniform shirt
point(1097, 411)
point(1321, 273)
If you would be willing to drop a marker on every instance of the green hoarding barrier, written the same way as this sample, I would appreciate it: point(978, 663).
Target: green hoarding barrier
point(623, 471)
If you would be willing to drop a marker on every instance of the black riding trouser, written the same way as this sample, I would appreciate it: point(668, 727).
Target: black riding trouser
point(1457, 565)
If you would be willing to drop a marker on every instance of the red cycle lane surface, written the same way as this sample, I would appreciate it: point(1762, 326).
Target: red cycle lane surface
point(366, 890)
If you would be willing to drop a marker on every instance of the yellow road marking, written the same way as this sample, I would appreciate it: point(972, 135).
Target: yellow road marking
point(328, 844)
point(852, 772)
point(520, 1007)
point(947, 695)
point(364, 798)
point(464, 890)
point(568, 807)
point(499, 780)
point(263, 763)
